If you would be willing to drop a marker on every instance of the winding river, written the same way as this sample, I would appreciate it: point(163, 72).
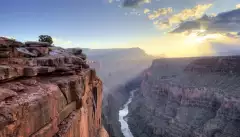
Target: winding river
point(123, 117)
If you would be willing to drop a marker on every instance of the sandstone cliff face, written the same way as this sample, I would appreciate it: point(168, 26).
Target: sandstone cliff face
point(188, 97)
point(56, 95)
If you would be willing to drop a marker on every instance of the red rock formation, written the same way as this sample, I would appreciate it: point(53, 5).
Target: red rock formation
point(55, 95)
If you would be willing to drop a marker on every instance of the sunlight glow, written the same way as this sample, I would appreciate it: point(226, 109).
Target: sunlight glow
point(198, 36)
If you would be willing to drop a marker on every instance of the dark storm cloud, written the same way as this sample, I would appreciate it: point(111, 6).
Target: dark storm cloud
point(168, 3)
point(201, 23)
point(226, 22)
point(187, 26)
point(222, 23)
point(229, 16)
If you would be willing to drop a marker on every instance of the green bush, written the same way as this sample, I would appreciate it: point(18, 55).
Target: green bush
point(45, 38)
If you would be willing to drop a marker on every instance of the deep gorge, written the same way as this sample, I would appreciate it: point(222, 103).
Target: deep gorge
point(123, 116)
point(115, 103)
point(184, 97)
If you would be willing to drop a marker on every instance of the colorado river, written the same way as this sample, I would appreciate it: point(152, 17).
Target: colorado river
point(123, 119)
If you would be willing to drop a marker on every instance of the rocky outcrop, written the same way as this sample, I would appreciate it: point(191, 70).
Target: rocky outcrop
point(53, 94)
point(188, 97)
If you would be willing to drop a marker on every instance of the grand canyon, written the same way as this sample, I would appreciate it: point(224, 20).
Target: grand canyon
point(50, 91)
point(187, 97)
point(120, 68)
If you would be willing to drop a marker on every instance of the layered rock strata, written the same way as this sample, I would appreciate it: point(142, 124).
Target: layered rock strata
point(188, 97)
point(52, 95)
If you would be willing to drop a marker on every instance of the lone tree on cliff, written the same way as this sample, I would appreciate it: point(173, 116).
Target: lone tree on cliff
point(45, 38)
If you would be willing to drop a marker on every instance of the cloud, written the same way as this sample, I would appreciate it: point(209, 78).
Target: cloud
point(187, 26)
point(161, 25)
point(187, 14)
point(160, 12)
point(207, 35)
point(147, 1)
point(167, 20)
point(226, 22)
point(146, 11)
point(198, 34)
point(228, 17)
point(198, 24)
point(132, 3)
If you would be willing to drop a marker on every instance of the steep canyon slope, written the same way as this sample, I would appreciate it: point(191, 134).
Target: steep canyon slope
point(118, 69)
point(188, 97)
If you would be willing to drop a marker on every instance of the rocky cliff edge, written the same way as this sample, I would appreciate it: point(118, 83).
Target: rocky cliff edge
point(47, 92)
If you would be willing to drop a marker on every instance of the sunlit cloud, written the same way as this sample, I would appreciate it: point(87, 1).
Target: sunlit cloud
point(147, 1)
point(160, 12)
point(146, 11)
point(187, 14)
point(193, 33)
point(171, 20)
point(162, 25)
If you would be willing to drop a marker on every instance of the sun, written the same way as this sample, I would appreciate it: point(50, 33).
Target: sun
point(199, 36)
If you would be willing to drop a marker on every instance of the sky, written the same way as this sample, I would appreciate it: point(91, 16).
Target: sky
point(148, 24)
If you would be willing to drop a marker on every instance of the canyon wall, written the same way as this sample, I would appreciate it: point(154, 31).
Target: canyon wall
point(188, 97)
point(118, 69)
point(49, 94)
